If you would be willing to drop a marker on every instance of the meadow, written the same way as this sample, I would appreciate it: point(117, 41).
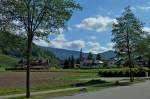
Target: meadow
point(14, 82)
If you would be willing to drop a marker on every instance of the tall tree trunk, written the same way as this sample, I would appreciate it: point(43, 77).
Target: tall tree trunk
point(29, 48)
point(130, 66)
point(148, 63)
point(129, 58)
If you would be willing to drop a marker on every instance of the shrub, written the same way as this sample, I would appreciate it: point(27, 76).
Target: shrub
point(124, 72)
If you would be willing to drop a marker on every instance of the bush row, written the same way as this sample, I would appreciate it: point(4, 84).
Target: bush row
point(137, 72)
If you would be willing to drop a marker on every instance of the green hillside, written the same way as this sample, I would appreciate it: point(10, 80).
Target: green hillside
point(13, 48)
point(7, 61)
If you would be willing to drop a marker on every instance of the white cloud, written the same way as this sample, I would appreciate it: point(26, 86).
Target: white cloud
point(144, 7)
point(93, 37)
point(75, 45)
point(133, 8)
point(95, 47)
point(61, 42)
point(98, 24)
point(40, 42)
point(60, 38)
point(69, 28)
point(146, 29)
point(109, 46)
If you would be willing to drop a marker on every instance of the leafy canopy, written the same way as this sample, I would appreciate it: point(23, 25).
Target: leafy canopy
point(36, 17)
point(127, 32)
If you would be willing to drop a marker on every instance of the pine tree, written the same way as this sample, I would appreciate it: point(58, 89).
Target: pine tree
point(69, 62)
point(127, 32)
point(90, 56)
point(66, 64)
point(72, 62)
point(98, 57)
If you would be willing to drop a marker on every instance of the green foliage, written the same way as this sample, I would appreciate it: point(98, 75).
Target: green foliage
point(90, 56)
point(69, 63)
point(124, 72)
point(10, 42)
point(105, 64)
point(127, 33)
point(38, 17)
point(98, 57)
point(72, 61)
point(144, 50)
point(15, 46)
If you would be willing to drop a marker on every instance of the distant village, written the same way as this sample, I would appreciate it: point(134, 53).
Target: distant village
point(92, 61)
point(88, 61)
point(83, 61)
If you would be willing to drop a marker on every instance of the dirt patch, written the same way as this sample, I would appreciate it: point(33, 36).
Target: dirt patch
point(18, 79)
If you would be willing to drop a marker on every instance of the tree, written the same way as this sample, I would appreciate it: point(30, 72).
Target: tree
point(78, 61)
point(105, 65)
point(72, 62)
point(36, 19)
point(66, 64)
point(127, 32)
point(12, 44)
point(90, 56)
point(69, 62)
point(144, 48)
point(98, 57)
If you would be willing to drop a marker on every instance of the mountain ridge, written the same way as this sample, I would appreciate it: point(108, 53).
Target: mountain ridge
point(62, 54)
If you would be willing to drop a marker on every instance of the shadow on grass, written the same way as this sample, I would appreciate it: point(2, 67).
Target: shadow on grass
point(89, 83)
point(120, 83)
point(103, 83)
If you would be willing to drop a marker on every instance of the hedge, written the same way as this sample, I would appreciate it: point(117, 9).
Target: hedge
point(124, 72)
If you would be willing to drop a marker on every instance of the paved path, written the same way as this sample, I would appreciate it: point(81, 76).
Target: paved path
point(137, 91)
point(39, 93)
point(112, 78)
point(106, 78)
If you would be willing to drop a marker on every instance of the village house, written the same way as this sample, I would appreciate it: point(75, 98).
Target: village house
point(91, 64)
point(89, 61)
point(36, 63)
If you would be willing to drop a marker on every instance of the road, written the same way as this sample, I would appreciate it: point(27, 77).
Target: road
point(137, 91)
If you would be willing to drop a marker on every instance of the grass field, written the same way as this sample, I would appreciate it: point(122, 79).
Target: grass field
point(95, 87)
point(14, 82)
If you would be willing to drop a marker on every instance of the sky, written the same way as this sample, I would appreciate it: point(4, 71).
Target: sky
point(90, 29)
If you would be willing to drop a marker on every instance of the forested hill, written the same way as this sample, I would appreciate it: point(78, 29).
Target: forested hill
point(62, 54)
point(13, 46)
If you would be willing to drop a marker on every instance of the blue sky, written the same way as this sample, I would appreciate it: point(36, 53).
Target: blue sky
point(90, 28)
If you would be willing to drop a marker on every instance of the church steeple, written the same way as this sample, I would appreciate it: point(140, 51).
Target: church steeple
point(81, 55)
